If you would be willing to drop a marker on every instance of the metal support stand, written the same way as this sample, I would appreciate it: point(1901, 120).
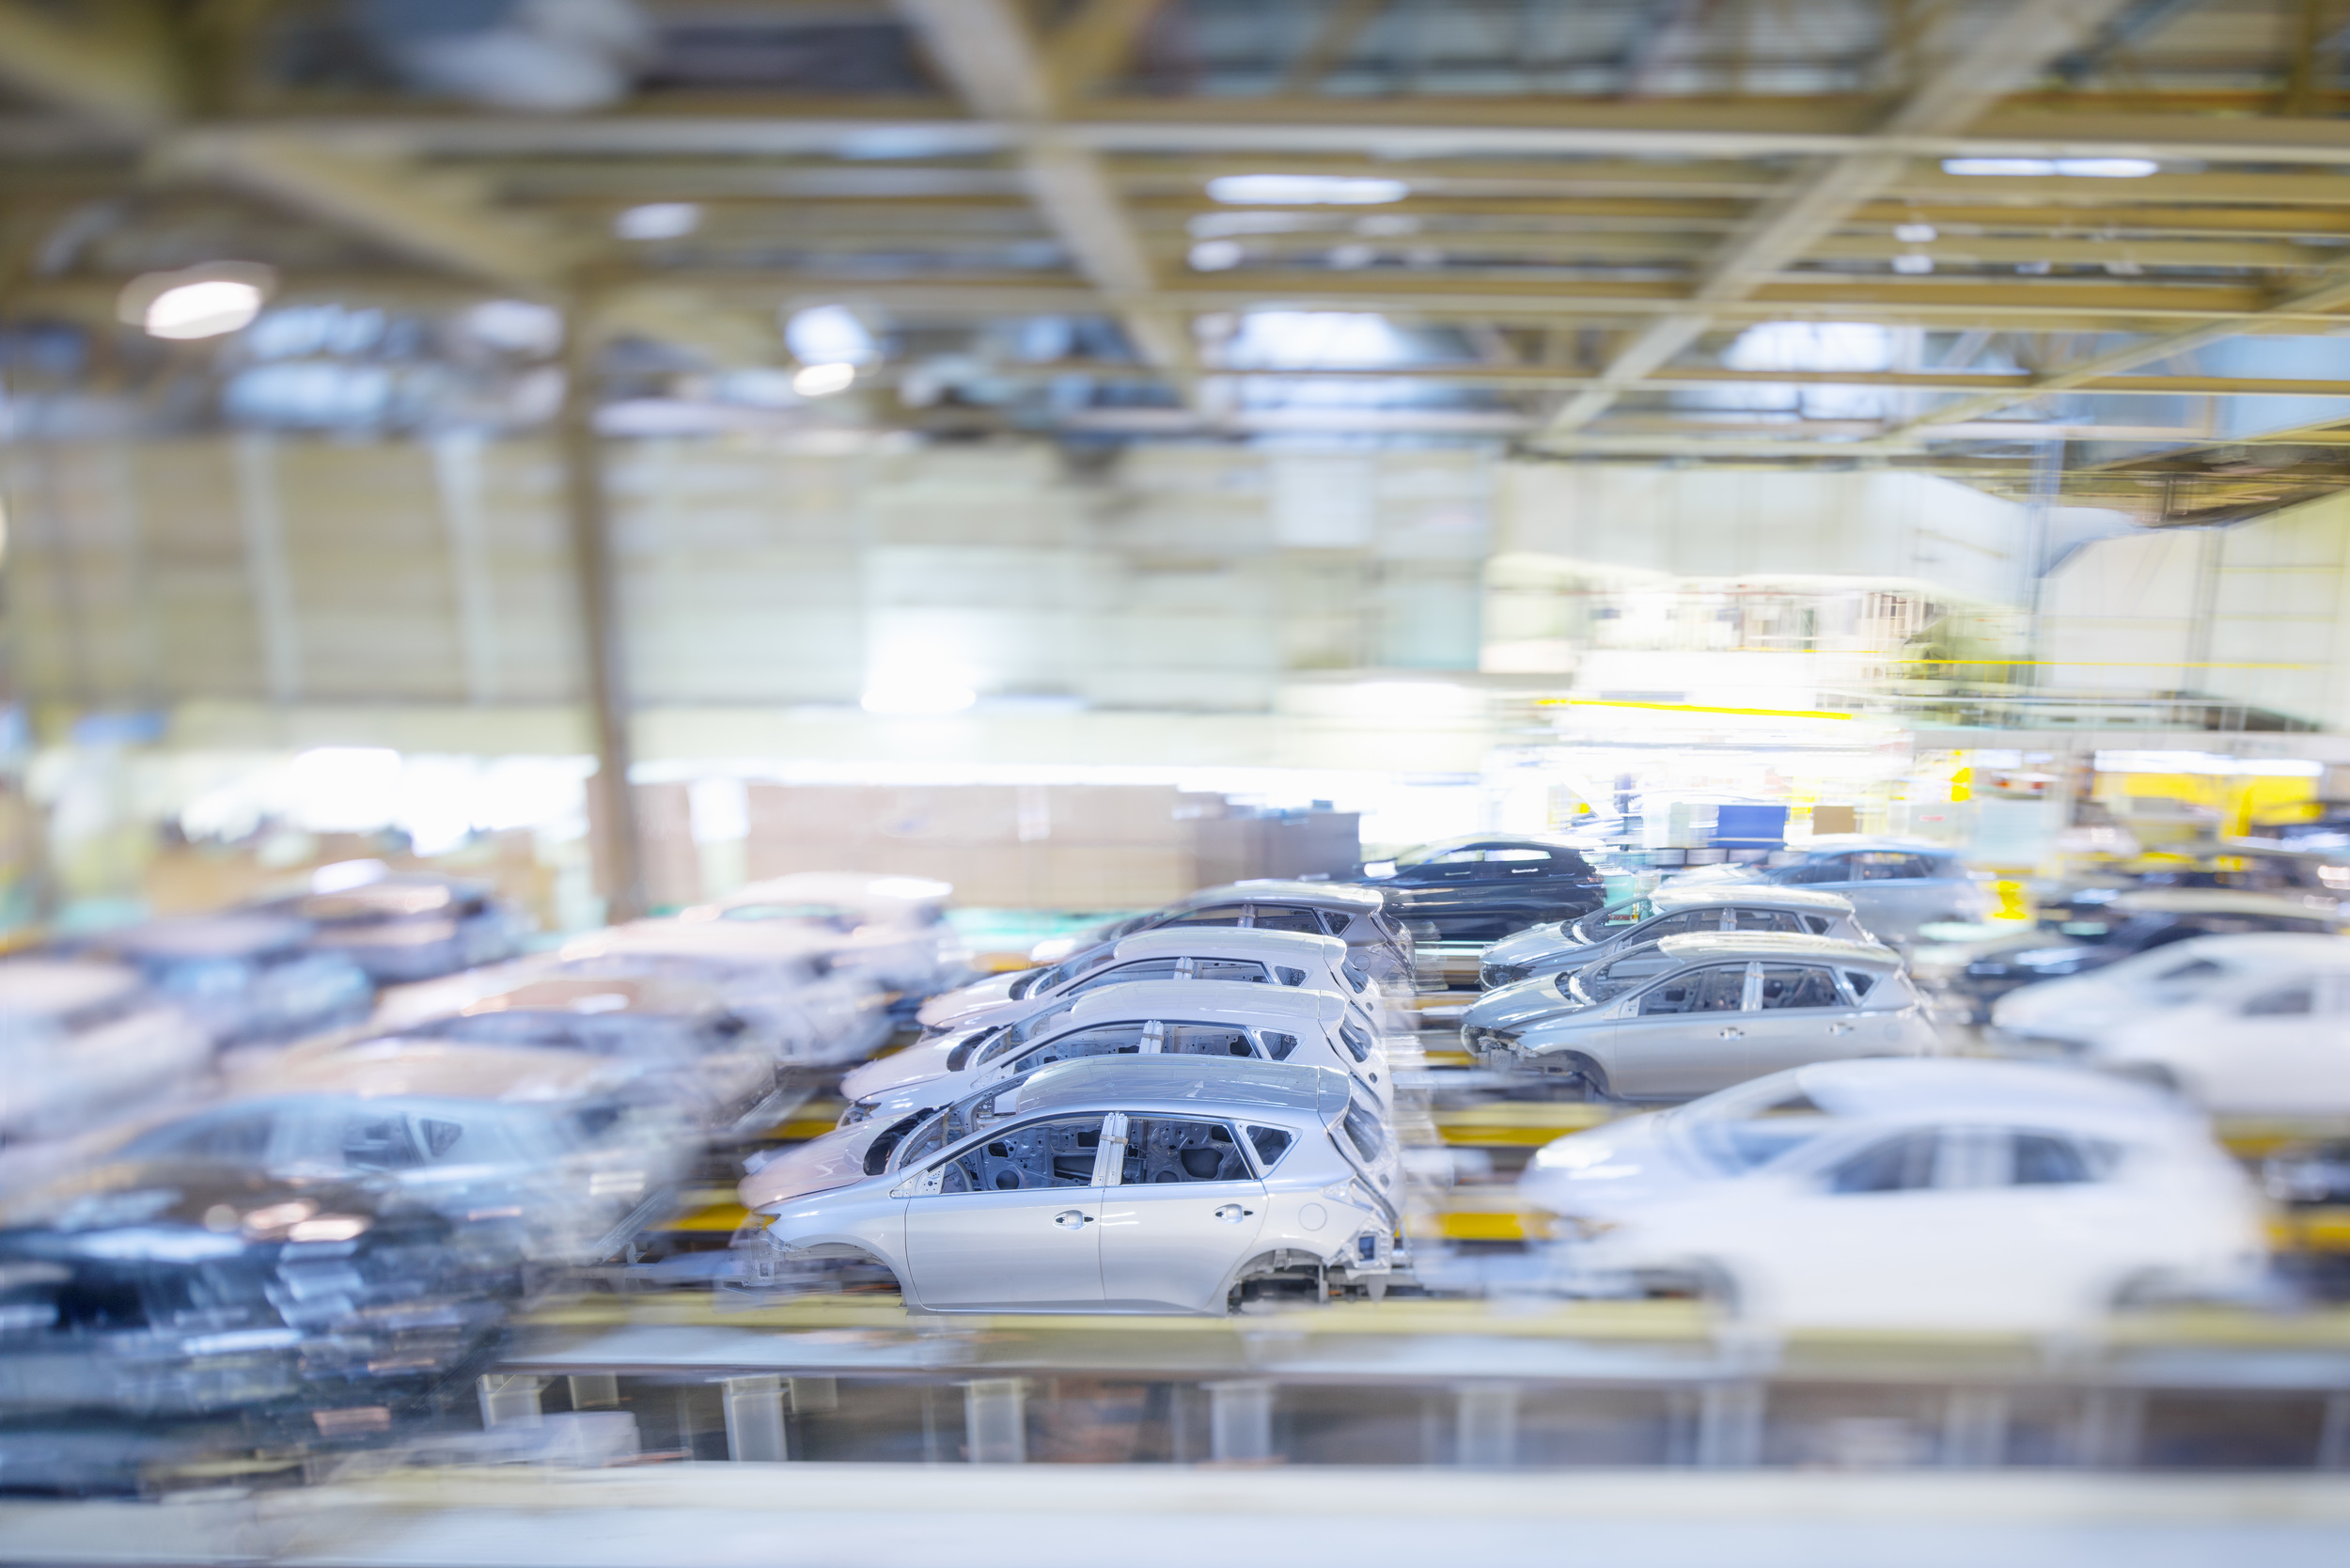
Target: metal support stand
point(995, 1420)
point(1729, 1426)
point(510, 1399)
point(1487, 1428)
point(1240, 1421)
point(595, 1391)
point(2111, 1422)
point(754, 1408)
point(2333, 1437)
point(1974, 1428)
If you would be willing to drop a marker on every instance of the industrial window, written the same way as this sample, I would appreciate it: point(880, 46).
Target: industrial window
point(1162, 1149)
point(1055, 1153)
point(1794, 985)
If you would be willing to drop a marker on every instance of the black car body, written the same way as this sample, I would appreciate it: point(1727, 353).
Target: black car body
point(160, 1290)
point(1971, 977)
point(1482, 886)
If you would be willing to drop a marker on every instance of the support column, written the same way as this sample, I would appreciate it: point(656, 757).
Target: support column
point(510, 1399)
point(1974, 1428)
point(754, 1408)
point(1240, 1421)
point(2333, 1437)
point(613, 819)
point(595, 1391)
point(995, 1420)
point(1487, 1426)
point(2107, 1436)
point(1729, 1426)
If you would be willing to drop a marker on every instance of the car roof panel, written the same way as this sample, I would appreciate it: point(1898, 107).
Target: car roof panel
point(1706, 946)
point(1238, 1086)
point(1239, 1002)
point(1230, 942)
point(1765, 894)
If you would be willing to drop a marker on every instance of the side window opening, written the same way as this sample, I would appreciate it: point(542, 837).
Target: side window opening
point(1794, 985)
point(1277, 1045)
point(1216, 914)
point(1902, 1164)
point(1304, 922)
point(1271, 1143)
point(1356, 976)
point(1239, 971)
point(1288, 976)
point(1116, 1040)
point(1162, 1149)
point(1357, 1042)
point(1334, 923)
point(1816, 924)
point(377, 1141)
point(1365, 1130)
point(1057, 1153)
point(2194, 968)
point(1206, 1040)
point(1721, 988)
point(2041, 1159)
point(1766, 920)
point(1122, 974)
point(2286, 1001)
point(1859, 980)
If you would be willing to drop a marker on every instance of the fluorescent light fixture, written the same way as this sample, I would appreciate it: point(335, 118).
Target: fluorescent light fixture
point(1214, 256)
point(1303, 190)
point(658, 220)
point(1913, 266)
point(208, 309)
point(2214, 762)
point(829, 335)
point(915, 700)
point(2042, 168)
point(823, 381)
point(1916, 234)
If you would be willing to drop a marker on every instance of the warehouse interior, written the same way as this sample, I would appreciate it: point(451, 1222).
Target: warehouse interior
point(618, 453)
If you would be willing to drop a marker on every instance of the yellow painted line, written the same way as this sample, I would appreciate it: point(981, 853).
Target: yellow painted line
point(1446, 1058)
point(1481, 1224)
point(2325, 1230)
point(1517, 1124)
point(1688, 708)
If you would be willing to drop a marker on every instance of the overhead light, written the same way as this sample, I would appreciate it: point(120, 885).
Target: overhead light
point(914, 700)
point(1303, 190)
point(823, 381)
point(1348, 257)
point(1913, 266)
point(1215, 256)
point(2042, 168)
point(1916, 234)
point(658, 220)
point(209, 301)
point(830, 334)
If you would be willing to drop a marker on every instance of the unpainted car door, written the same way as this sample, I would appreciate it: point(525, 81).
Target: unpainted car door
point(2287, 1048)
point(1012, 1220)
point(1800, 1016)
point(1181, 1214)
point(1685, 1034)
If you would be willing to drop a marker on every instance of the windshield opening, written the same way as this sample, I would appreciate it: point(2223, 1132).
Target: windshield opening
point(1601, 924)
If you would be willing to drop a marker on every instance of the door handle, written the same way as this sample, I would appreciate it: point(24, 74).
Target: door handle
point(1072, 1219)
point(1839, 1028)
point(1733, 1032)
point(1232, 1214)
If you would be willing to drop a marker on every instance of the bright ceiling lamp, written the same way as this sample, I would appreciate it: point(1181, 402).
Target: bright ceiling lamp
point(1304, 190)
point(823, 381)
point(2042, 168)
point(657, 220)
point(902, 698)
point(210, 300)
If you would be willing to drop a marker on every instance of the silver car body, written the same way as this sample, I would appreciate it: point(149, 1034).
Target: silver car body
point(84, 1043)
point(1349, 911)
point(1669, 911)
point(1150, 1184)
point(1719, 1009)
point(1951, 1194)
point(1219, 1018)
point(893, 928)
point(1896, 884)
point(1233, 953)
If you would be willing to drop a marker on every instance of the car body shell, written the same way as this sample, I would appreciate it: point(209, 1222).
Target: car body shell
point(1669, 911)
point(1230, 953)
point(1917, 1195)
point(893, 928)
point(246, 979)
point(1096, 1242)
point(1326, 1026)
point(1873, 872)
point(408, 926)
point(1482, 886)
point(2064, 1015)
point(1356, 915)
point(1971, 978)
point(1672, 1033)
point(2269, 1043)
point(86, 1042)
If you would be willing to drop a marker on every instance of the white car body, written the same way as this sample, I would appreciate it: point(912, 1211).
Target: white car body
point(84, 1043)
point(1701, 1014)
point(2070, 1012)
point(1150, 1184)
point(1670, 911)
point(1933, 1194)
point(893, 928)
point(2274, 1042)
point(1225, 1019)
point(1232, 955)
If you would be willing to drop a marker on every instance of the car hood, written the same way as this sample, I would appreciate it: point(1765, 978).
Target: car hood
point(1622, 1165)
point(1534, 944)
point(903, 1069)
point(835, 1160)
point(949, 1006)
point(1515, 1006)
